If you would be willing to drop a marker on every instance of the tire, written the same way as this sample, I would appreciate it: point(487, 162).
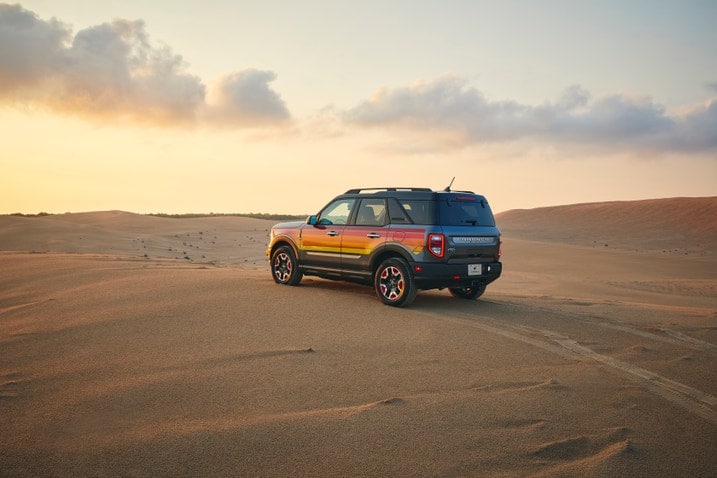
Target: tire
point(467, 292)
point(284, 267)
point(394, 283)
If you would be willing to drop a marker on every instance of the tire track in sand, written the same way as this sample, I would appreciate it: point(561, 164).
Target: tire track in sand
point(690, 399)
point(667, 335)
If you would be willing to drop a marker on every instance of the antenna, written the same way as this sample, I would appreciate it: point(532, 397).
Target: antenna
point(448, 188)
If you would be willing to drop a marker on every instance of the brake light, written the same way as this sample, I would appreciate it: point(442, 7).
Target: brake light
point(436, 244)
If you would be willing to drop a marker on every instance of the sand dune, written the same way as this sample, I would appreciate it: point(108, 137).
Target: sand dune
point(671, 225)
point(146, 346)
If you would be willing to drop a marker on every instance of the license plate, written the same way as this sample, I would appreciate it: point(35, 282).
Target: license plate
point(475, 269)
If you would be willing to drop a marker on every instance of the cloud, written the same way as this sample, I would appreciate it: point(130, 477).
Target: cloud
point(29, 48)
point(245, 98)
point(614, 118)
point(448, 108)
point(113, 71)
point(696, 131)
point(443, 104)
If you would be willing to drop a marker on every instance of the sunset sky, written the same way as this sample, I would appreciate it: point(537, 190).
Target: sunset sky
point(277, 106)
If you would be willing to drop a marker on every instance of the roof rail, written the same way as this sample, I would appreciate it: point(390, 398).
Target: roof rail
point(359, 190)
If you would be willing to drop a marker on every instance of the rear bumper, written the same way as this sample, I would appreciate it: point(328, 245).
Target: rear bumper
point(438, 276)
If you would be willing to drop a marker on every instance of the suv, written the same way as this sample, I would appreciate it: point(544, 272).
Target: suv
point(401, 240)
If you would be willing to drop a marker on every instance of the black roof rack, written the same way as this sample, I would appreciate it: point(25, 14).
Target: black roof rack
point(360, 190)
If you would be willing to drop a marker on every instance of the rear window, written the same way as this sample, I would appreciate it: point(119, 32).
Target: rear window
point(466, 210)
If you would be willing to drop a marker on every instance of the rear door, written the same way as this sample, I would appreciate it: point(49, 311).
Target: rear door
point(366, 232)
point(471, 234)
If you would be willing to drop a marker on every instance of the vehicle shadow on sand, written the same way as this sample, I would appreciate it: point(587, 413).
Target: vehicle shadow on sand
point(426, 301)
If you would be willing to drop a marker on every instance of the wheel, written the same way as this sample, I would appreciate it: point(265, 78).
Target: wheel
point(284, 267)
point(467, 292)
point(394, 283)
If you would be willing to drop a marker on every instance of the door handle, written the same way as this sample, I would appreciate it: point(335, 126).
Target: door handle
point(373, 235)
point(332, 233)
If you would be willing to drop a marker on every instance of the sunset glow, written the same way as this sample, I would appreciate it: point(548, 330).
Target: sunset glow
point(278, 106)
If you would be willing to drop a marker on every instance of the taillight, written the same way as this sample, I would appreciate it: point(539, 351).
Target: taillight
point(500, 248)
point(436, 244)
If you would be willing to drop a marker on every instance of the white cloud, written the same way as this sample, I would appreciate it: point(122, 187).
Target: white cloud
point(29, 47)
point(444, 104)
point(245, 98)
point(697, 130)
point(448, 105)
point(113, 69)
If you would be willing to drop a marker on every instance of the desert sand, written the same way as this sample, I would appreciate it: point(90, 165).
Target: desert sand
point(136, 345)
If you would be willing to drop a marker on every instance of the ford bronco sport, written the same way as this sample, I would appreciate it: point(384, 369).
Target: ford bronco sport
point(401, 240)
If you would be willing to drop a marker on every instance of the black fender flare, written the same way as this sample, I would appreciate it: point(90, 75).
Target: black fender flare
point(386, 251)
point(281, 241)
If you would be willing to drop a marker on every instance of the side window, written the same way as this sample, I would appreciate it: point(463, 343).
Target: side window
point(420, 212)
point(371, 212)
point(396, 213)
point(337, 212)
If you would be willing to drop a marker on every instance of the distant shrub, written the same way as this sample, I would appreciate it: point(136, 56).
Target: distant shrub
point(39, 214)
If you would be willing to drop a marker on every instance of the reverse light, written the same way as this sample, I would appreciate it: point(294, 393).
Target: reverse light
point(436, 244)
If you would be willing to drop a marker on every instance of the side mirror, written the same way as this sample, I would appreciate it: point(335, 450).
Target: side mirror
point(311, 220)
